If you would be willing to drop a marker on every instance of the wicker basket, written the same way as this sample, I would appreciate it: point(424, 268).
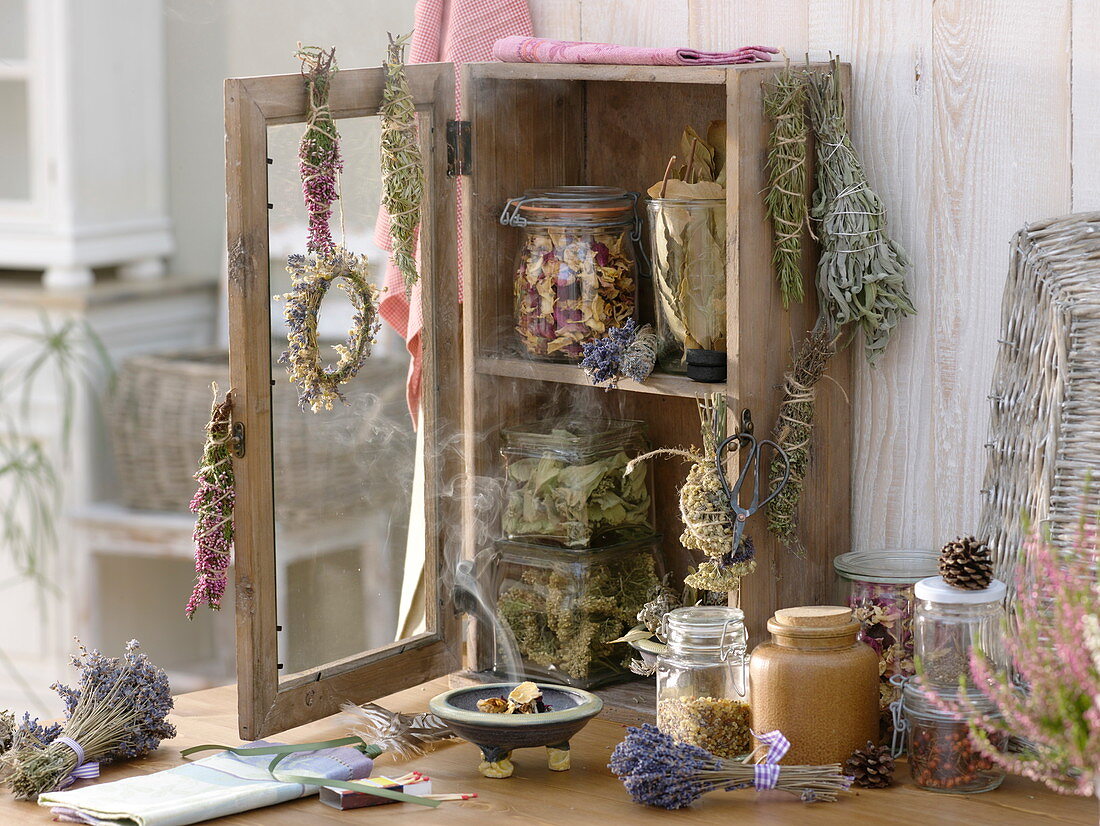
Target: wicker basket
point(1044, 439)
point(161, 408)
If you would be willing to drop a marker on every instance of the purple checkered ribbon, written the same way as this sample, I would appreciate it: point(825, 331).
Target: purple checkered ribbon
point(766, 772)
point(83, 771)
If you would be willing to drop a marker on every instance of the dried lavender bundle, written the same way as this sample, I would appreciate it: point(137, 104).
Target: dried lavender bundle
point(795, 431)
point(212, 505)
point(319, 150)
point(785, 197)
point(402, 165)
point(118, 711)
point(861, 273)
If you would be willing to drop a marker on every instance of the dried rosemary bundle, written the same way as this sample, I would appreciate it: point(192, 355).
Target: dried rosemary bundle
point(402, 165)
point(795, 430)
point(785, 197)
point(861, 273)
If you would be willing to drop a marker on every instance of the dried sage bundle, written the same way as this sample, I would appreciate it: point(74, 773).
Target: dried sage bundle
point(785, 197)
point(862, 270)
point(402, 164)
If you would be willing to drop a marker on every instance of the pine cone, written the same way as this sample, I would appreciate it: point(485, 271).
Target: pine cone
point(967, 564)
point(872, 766)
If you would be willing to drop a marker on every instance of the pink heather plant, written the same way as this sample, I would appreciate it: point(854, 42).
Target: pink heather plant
point(213, 509)
point(1055, 649)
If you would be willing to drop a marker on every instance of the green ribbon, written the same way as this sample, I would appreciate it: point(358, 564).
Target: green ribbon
point(282, 752)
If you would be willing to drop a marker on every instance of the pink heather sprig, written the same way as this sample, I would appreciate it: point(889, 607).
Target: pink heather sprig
point(212, 505)
point(319, 160)
point(1053, 647)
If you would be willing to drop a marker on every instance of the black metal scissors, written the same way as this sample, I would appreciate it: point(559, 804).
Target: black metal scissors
point(753, 462)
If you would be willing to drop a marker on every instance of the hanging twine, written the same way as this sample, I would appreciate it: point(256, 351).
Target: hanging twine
point(402, 164)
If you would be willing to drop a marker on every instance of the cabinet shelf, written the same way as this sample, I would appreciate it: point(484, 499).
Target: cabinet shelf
point(659, 384)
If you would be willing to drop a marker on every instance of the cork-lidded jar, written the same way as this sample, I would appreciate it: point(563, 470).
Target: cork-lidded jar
point(816, 683)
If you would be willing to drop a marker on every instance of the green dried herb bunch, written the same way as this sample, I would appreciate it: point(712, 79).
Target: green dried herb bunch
point(794, 431)
point(402, 164)
point(785, 197)
point(555, 625)
point(861, 273)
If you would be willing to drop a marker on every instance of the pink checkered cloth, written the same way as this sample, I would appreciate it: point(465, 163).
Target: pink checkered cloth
point(544, 50)
point(449, 31)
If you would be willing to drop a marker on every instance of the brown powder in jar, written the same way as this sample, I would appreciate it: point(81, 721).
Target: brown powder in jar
point(720, 726)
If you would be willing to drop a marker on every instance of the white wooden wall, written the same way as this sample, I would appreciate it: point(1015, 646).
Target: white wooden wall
point(973, 117)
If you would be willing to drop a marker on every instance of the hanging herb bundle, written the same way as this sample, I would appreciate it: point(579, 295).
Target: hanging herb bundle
point(319, 150)
point(860, 277)
point(705, 509)
point(402, 164)
point(862, 270)
point(785, 197)
point(311, 275)
point(212, 505)
point(794, 431)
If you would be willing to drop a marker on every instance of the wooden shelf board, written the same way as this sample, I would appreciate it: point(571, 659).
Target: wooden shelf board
point(659, 384)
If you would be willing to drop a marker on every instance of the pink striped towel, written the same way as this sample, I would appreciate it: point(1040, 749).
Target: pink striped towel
point(544, 50)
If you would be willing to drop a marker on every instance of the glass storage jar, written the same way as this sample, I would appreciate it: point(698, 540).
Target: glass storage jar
point(941, 756)
point(566, 482)
point(878, 587)
point(562, 608)
point(702, 681)
point(575, 274)
point(816, 683)
point(687, 241)
point(949, 623)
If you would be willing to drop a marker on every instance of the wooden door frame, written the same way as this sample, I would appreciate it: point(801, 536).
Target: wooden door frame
point(251, 105)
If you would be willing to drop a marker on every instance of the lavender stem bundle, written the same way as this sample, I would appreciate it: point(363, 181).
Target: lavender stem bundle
point(402, 164)
point(319, 150)
point(658, 771)
point(118, 711)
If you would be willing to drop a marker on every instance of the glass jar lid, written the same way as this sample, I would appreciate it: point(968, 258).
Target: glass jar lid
point(705, 629)
point(903, 567)
point(934, 589)
point(558, 206)
point(573, 434)
point(916, 700)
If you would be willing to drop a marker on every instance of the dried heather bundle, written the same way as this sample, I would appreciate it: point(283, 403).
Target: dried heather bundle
point(861, 273)
point(785, 197)
point(658, 771)
point(795, 431)
point(626, 352)
point(118, 711)
point(402, 165)
point(1053, 645)
point(319, 151)
point(212, 505)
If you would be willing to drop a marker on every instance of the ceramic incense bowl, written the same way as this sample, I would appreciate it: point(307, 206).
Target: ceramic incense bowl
point(498, 734)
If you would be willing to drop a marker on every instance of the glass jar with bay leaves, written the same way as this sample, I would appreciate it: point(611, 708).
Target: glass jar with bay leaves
point(564, 607)
point(687, 239)
point(703, 681)
point(566, 482)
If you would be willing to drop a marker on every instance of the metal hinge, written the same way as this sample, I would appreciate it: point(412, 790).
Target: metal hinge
point(458, 148)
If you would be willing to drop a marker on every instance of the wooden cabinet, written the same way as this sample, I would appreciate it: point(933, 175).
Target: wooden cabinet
point(527, 126)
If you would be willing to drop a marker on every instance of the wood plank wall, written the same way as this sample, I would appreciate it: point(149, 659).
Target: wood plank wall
point(973, 117)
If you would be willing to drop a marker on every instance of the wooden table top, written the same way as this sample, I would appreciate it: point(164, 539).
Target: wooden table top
point(588, 794)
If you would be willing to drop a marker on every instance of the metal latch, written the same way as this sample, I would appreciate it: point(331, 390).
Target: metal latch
point(237, 439)
point(458, 148)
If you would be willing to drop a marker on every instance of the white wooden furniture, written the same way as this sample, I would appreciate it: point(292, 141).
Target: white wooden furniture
point(83, 146)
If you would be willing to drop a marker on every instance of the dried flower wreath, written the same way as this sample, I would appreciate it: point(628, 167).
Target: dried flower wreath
point(312, 274)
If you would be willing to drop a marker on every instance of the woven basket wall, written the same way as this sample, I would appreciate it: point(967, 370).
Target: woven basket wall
point(1045, 419)
point(324, 463)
